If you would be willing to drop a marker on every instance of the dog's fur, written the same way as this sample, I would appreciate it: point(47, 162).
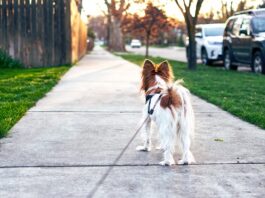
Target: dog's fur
point(173, 113)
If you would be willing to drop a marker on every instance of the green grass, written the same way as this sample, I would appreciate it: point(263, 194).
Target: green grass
point(20, 89)
point(240, 93)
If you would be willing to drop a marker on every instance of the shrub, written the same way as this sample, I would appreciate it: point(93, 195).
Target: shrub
point(6, 61)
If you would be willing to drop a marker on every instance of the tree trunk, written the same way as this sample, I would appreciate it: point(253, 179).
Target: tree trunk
point(116, 42)
point(108, 29)
point(192, 57)
point(147, 45)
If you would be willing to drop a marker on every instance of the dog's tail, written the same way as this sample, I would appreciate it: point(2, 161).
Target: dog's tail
point(170, 99)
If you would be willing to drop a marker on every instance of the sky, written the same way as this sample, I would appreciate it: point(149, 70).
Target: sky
point(96, 7)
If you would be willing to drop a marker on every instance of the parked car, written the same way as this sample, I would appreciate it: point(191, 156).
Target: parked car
point(135, 43)
point(244, 41)
point(209, 40)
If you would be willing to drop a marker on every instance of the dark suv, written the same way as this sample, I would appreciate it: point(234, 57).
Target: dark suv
point(244, 40)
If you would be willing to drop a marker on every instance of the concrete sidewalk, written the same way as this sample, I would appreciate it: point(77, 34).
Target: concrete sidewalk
point(79, 141)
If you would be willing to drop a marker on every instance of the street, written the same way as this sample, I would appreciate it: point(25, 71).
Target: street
point(172, 53)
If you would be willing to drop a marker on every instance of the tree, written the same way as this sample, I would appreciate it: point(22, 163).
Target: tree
point(115, 13)
point(79, 5)
point(100, 26)
point(228, 9)
point(262, 5)
point(151, 24)
point(191, 21)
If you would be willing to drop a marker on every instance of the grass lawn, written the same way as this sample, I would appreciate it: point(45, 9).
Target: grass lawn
point(240, 93)
point(20, 89)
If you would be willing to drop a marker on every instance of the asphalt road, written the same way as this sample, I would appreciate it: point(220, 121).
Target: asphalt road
point(173, 53)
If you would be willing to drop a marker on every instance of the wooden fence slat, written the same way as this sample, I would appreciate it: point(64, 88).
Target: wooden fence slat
point(1, 25)
point(22, 31)
point(10, 28)
point(45, 32)
point(56, 30)
point(15, 30)
point(34, 52)
point(39, 32)
point(51, 32)
point(63, 38)
point(68, 38)
point(4, 25)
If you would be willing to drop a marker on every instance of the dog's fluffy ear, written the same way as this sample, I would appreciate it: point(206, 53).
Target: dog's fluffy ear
point(164, 71)
point(148, 65)
point(148, 74)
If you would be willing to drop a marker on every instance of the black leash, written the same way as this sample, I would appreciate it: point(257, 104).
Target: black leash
point(103, 178)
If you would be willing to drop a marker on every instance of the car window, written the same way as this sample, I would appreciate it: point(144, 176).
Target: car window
point(229, 26)
point(198, 33)
point(245, 28)
point(259, 24)
point(214, 31)
point(236, 26)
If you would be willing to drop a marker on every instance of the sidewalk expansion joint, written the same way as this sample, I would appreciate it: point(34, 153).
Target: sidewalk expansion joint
point(128, 165)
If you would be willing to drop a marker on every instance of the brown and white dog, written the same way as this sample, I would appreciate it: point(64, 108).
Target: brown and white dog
point(169, 106)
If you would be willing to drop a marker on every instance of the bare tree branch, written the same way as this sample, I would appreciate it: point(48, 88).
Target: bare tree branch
point(198, 7)
point(190, 4)
point(107, 3)
point(180, 7)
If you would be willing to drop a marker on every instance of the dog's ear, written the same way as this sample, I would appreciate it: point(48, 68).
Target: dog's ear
point(164, 66)
point(148, 74)
point(164, 70)
point(148, 65)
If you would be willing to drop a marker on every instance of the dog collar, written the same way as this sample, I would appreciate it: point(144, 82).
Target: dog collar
point(148, 99)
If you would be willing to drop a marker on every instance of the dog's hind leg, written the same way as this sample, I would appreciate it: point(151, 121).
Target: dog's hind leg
point(168, 138)
point(186, 127)
point(185, 143)
point(146, 135)
point(168, 158)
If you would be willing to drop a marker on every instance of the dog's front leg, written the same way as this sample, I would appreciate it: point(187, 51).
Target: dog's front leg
point(146, 135)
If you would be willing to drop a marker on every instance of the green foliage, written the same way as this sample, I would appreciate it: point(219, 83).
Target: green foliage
point(240, 93)
point(262, 5)
point(91, 33)
point(20, 89)
point(7, 61)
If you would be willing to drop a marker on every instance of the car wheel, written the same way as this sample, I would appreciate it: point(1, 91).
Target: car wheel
point(228, 61)
point(258, 65)
point(204, 57)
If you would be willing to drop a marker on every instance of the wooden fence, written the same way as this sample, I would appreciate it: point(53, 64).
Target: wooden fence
point(42, 32)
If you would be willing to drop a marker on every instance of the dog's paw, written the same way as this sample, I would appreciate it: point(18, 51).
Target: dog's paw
point(182, 162)
point(143, 148)
point(186, 162)
point(167, 163)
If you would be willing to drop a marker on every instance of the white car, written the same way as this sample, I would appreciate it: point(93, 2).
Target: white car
point(209, 42)
point(135, 43)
